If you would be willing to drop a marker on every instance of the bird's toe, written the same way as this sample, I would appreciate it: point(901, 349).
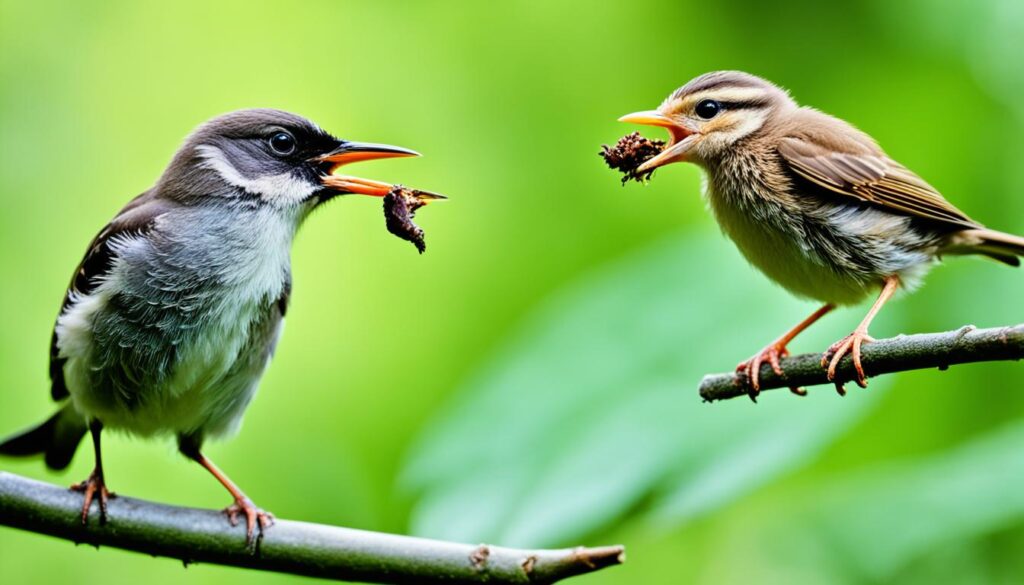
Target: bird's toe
point(254, 518)
point(94, 489)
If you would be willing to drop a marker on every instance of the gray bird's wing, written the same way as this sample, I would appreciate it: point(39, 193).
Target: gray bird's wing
point(137, 217)
point(866, 174)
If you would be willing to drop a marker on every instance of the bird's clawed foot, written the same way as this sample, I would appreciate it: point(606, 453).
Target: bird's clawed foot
point(834, 354)
point(253, 517)
point(751, 369)
point(91, 487)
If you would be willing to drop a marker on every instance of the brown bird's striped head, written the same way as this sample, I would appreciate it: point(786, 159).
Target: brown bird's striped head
point(709, 114)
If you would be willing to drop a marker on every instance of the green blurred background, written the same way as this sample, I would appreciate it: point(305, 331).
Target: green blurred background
point(531, 380)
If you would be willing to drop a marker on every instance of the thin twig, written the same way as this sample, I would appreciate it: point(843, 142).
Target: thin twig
point(193, 535)
point(884, 356)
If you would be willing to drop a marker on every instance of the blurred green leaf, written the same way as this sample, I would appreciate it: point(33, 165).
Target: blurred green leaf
point(752, 448)
point(593, 406)
point(878, 521)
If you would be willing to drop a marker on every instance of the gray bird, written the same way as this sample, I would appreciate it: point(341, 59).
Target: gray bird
point(173, 314)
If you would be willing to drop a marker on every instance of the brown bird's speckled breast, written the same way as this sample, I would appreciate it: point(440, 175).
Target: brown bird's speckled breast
point(815, 244)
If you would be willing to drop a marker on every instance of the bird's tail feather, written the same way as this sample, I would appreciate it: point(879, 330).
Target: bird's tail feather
point(57, 438)
point(997, 245)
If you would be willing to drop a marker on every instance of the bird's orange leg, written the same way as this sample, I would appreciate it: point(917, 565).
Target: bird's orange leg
point(852, 342)
point(243, 505)
point(773, 352)
point(94, 485)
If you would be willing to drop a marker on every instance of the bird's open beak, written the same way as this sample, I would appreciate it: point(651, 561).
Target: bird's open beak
point(350, 152)
point(682, 140)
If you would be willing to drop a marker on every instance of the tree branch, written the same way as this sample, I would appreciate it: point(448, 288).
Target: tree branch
point(193, 535)
point(884, 356)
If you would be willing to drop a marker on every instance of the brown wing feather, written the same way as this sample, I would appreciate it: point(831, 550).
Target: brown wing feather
point(135, 218)
point(859, 169)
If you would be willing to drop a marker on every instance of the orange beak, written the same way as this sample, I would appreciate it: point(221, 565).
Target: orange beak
point(682, 141)
point(350, 152)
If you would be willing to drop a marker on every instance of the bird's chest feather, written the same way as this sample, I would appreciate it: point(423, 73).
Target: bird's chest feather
point(775, 235)
point(179, 332)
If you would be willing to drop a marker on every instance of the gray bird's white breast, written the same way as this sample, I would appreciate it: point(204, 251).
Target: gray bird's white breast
point(179, 332)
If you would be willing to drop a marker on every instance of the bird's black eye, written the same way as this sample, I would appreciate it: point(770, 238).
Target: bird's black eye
point(708, 109)
point(282, 143)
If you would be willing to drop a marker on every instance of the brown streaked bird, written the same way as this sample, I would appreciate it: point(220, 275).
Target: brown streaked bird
point(812, 202)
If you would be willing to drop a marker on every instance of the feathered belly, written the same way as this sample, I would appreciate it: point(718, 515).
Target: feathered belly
point(834, 254)
point(192, 375)
point(788, 262)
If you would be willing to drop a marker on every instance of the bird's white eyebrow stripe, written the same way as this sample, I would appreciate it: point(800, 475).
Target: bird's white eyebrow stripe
point(735, 95)
point(282, 187)
point(214, 159)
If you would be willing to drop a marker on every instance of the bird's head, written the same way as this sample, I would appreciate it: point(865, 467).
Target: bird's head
point(710, 114)
point(271, 157)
